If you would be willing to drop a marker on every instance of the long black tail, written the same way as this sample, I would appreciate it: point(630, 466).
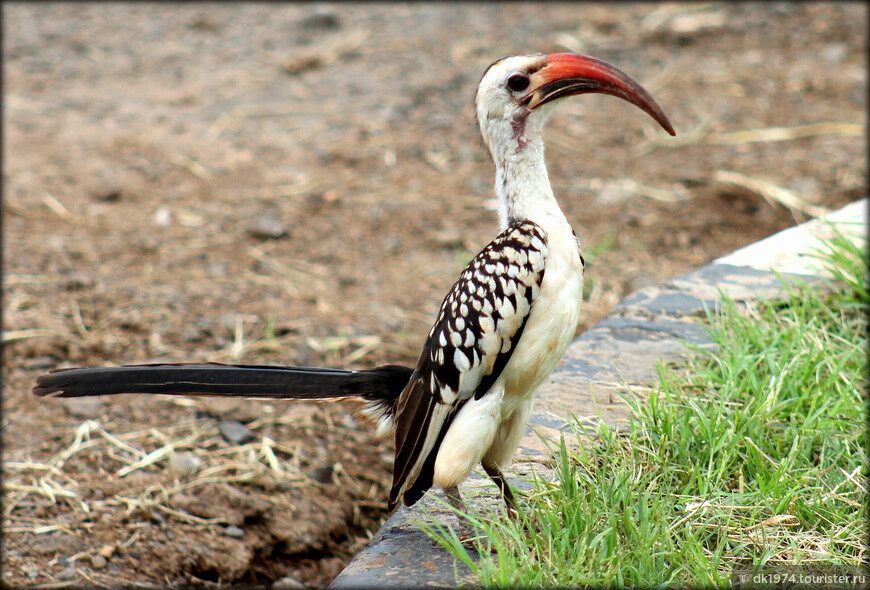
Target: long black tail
point(379, 388)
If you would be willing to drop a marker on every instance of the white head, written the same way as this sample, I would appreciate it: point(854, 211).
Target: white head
point(516, 95)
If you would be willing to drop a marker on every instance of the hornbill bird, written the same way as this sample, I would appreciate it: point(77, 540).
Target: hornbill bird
point(499, 333)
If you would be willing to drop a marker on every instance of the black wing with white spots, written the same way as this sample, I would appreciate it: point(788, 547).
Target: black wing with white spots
point(478, 326)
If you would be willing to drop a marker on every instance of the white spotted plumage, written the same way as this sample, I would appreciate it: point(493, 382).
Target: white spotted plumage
point(495, 314)
point(469, 347)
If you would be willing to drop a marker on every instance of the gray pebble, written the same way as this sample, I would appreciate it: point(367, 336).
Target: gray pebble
point(267, 226)
point(103, 185)
point(235, 432)
point(184, 463)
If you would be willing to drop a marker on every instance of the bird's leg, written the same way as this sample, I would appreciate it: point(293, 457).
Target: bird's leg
point(466, 530)
point(498, 477)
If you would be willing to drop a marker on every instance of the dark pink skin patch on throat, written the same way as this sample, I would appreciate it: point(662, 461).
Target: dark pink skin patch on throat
point(519, 127)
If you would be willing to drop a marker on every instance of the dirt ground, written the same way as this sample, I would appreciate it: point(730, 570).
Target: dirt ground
point(301, 184)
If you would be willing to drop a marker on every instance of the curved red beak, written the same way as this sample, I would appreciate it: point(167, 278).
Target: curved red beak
point(567, 74)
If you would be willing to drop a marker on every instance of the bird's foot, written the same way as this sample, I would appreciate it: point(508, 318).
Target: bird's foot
point(468, 536)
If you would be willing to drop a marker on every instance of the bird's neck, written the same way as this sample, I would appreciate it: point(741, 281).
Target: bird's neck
point(523, 186)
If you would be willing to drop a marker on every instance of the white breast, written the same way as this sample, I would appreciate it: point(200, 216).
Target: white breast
point(490, 428)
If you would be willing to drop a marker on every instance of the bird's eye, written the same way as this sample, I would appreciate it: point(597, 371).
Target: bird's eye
point(518, 82)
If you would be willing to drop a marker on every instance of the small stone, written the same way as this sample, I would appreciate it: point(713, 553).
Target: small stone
point(163, 216)
point(234, 432)
point(98, 562)
point(267, 226)
point(104, 186)
point(287, 583)
point(184, 463)
point(234, 531)
point(107, 551)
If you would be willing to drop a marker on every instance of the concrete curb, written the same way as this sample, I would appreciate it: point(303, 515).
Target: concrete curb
point(619, 353)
